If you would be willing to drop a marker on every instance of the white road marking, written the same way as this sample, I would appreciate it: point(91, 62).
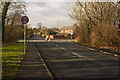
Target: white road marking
point(79, 56)
point(63, 48)
point(74, 53)
point(60, 47)
point(56, 45)
point(48, 71)
point(101, 51)
point(91, 48)
point(83, 57)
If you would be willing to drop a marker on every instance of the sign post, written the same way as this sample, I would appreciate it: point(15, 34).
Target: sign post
point(71, 34)
point(25, 20)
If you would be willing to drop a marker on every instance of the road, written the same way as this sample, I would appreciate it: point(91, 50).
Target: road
point(67, 61)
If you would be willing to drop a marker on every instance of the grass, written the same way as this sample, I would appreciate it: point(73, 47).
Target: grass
point(72, 40)
point(20, 41)
point(11, 57)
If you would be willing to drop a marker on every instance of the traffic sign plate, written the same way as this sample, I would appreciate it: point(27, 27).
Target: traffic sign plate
point(25, 19)
point(71, 33)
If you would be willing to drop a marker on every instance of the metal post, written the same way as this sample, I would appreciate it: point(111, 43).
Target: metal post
point(71, 36)
point(25, 20)
point(24, 38)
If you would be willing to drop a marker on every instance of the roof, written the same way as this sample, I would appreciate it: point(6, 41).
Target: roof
point(62, 33)
point(68, 28)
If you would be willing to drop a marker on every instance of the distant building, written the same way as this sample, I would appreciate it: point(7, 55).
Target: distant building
point(55, 29)
point(43, 30)
point(68, 29)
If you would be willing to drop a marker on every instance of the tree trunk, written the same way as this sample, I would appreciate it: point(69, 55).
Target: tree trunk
point(4, 13)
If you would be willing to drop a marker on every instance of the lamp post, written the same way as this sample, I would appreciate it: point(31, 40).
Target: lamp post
point(118, 5)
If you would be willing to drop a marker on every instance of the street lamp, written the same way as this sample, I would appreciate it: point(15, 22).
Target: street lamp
point(118, 5)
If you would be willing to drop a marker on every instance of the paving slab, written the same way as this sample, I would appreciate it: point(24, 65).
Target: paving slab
point(32, 68)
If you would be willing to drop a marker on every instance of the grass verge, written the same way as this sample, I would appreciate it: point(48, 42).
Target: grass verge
point(11, 57)
point(72, 40)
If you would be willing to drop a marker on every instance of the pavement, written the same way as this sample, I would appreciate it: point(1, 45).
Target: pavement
point(32, 67)
point(67, 61)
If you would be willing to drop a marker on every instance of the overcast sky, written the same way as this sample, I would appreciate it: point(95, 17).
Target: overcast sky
point(50, 14)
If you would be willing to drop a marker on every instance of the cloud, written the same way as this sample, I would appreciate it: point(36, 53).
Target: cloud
point(48, 13)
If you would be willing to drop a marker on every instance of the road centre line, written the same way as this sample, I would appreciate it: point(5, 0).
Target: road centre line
point(63, 48)
point(72, 51)
point(63, 60)
point(85, 57)
point(76, 54)
point(60, 47)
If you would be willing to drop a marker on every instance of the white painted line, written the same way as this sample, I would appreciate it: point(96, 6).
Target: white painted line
point(79, 56)
point(72, 52)
point(76, 54)
point(115, 55)
point(60, 47)
point(63, 48)
point(91, 59)
point(91, 48)
point(101, 51)
point(49, 73)
point(56, 45)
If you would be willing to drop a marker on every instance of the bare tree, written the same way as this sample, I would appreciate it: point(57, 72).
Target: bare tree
point(4, 14)
point(40, 25)
point(11, 18)
point(96, 20)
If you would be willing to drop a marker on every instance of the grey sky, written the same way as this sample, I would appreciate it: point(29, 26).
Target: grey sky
point(50, 14)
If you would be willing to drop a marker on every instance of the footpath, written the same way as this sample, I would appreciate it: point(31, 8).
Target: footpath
point(32, 68)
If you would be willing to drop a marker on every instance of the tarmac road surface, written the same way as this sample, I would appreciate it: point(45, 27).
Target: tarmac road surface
point(67, 61)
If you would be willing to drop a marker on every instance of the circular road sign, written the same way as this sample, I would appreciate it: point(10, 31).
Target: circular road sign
point(25, 19)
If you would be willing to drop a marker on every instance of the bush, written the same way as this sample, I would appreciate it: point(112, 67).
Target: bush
point(13, 33)
point(104, 35)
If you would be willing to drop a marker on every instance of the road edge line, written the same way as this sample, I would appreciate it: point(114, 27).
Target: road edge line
point(49, 73)
point(108, 53)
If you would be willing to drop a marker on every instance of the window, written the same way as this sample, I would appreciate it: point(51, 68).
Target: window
point(70, 31)
point(65, 30)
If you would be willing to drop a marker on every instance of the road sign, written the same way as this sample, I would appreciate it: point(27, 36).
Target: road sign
point(25, 19)
point(71, 33)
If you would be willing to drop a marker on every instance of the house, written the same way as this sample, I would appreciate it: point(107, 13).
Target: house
point(55, 29)
point(66, 32)
point(68, 29)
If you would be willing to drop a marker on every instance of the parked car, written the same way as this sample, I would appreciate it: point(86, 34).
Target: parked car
point(35, 34)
